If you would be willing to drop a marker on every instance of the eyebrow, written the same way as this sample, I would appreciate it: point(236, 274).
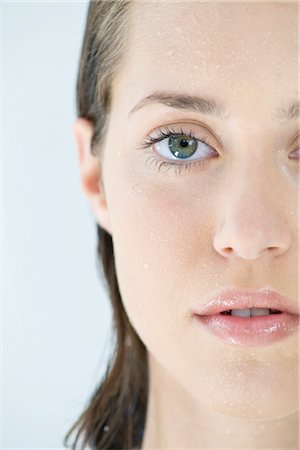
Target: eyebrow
point(206, 105)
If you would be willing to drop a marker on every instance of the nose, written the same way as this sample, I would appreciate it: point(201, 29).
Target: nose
point(253, 221)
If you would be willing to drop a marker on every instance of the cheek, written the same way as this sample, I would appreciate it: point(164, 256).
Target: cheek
point(159, 240)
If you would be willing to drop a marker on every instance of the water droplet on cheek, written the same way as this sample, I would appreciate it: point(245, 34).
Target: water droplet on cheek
point(170, 53)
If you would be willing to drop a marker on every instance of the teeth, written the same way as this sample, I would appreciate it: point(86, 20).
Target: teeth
point(260, 312)
point(241, 312)
point(252, 312)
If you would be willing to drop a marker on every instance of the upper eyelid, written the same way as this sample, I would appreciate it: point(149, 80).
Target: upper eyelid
point(202, 139)
point(168, 129)
point(296, 138)
point(196, 125)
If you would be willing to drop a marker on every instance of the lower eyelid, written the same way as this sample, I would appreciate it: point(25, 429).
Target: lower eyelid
point(175, 165)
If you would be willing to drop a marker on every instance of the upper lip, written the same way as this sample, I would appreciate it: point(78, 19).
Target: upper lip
point(239, 299)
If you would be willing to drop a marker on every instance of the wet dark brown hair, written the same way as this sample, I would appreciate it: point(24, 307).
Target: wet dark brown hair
point(114, 417)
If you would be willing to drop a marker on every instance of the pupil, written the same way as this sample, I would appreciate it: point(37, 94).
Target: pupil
point(184, 143)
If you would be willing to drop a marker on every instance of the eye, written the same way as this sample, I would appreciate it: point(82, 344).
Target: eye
point(178, 149)
point(182, 147)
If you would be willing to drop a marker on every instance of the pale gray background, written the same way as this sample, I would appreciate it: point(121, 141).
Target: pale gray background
point(55, 314)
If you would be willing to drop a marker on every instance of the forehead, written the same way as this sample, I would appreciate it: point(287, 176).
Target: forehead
point(236, 50)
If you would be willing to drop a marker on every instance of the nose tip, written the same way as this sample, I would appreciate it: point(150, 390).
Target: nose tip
point(250, 243)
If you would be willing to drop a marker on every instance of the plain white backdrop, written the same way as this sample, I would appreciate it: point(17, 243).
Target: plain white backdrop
point(56, 317)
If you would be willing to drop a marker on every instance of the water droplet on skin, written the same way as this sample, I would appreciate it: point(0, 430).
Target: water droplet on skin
point(169, 52)
point(146, 266)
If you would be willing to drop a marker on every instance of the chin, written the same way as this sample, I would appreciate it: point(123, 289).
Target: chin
point(255, 401)
point(250, 390)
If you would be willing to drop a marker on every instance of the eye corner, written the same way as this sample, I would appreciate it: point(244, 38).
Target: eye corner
point(295, 151)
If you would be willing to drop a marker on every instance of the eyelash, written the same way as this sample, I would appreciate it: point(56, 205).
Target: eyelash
point(168, 132)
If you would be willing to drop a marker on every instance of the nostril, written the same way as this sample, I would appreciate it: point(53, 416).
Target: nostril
point(227, 251)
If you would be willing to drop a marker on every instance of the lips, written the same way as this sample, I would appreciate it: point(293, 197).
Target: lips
point(257, 330)
point(229, 299)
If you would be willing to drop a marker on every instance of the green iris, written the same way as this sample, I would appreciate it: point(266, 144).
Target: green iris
point(182, 146)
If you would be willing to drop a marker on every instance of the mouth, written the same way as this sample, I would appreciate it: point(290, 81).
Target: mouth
point(249, 318)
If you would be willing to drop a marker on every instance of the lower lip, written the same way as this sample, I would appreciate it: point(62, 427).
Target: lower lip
point(250, 331)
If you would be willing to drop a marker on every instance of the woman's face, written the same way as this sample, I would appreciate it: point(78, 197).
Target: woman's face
point(229, 218)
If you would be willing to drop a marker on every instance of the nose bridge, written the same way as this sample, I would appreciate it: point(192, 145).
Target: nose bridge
point(251, 182)
point(253, 217)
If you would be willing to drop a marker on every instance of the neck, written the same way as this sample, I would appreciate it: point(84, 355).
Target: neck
point(176, 420)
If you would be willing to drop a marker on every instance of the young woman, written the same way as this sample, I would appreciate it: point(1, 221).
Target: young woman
point(188, 144)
